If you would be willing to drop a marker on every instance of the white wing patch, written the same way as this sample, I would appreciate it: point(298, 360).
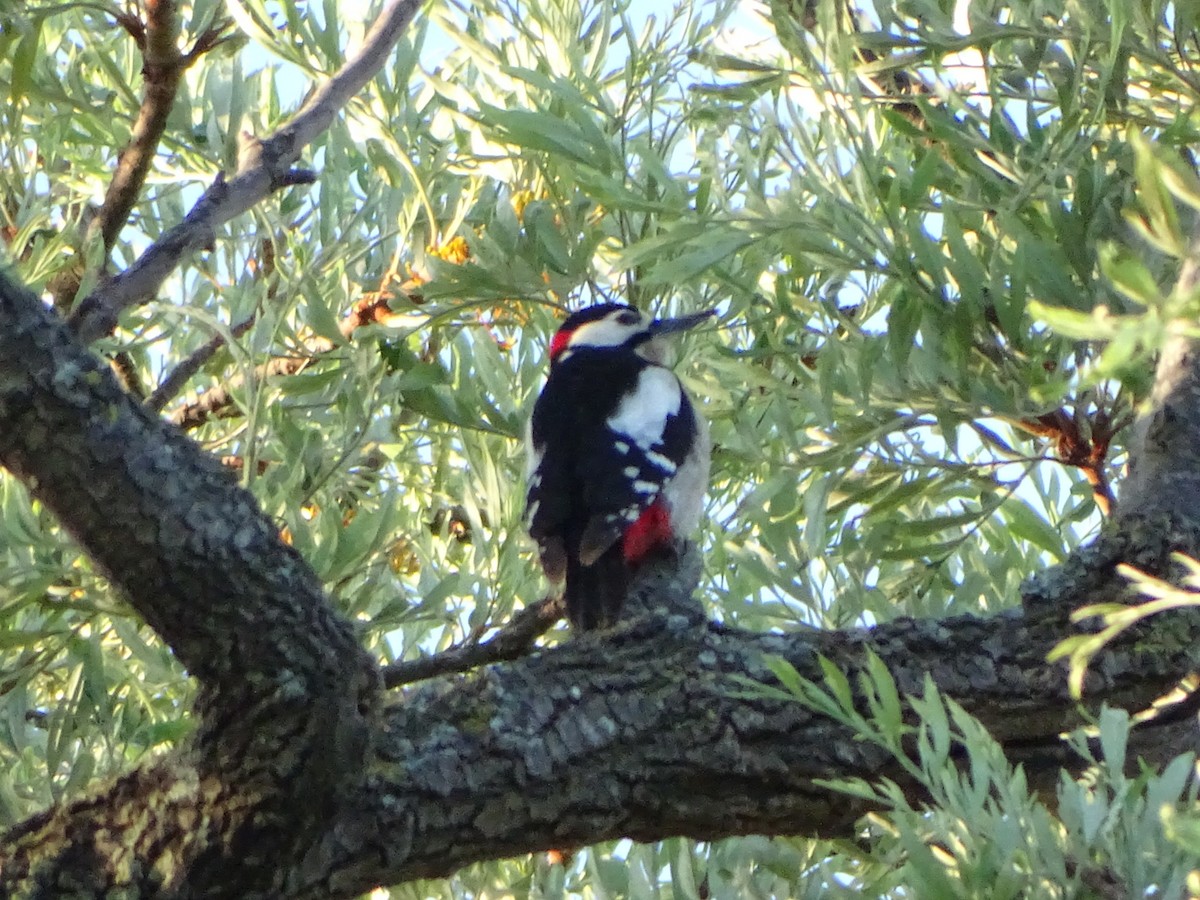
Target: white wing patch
point(643, 413)
point(533, 455)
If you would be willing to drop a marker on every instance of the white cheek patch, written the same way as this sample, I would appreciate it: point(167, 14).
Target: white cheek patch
point(643, 413)
point(605, 332)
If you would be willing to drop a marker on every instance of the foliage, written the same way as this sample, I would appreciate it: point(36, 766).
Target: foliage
point(1161, 596)
point(984, 832)
point(940, 248)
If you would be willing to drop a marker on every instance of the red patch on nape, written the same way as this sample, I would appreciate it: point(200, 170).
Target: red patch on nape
point(651, 531)
point(559, 343)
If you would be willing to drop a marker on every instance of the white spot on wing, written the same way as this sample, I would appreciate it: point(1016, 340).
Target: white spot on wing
point(663, 462)
point(621, 446)
point(645, 487)
point(631, 471)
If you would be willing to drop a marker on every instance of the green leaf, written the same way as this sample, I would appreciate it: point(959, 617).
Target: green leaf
point(539, 131)
point(24, 58)
point(786, 673)
point(1114, 734)
point(1027, 525)
point(903, 319)
point(1129, 275)
point(1096, 325)
point(539, 219)
point(883, 698)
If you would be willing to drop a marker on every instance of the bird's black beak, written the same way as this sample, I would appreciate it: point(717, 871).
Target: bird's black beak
point(682, 323)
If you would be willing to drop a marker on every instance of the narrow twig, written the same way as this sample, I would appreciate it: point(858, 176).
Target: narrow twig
point(264, 168)
point(1095, 469)
point(212, 37)
point(133, 26)
point(513, 640)
point(182, 373)
point(127, 374)
point(157, 37)
point(1102, 493)
point(1073, 448)
point(162, 68)
point(238, 463)
point(214, 402)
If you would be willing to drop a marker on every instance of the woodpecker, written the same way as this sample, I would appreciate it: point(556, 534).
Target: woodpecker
point(618, 457)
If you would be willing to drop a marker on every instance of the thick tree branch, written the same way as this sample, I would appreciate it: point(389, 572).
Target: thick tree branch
point(287, 693)
point(165, 521)
point(265, 167)
point(660, 738)
point(649, 732)
point(1165, 473)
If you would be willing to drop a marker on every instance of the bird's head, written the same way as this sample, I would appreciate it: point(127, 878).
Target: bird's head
point(617, 326)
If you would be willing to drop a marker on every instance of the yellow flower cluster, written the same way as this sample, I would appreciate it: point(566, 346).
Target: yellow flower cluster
point(454, 250)
point(520, 200)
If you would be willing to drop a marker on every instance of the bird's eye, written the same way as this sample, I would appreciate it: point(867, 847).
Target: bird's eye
point(629, 317)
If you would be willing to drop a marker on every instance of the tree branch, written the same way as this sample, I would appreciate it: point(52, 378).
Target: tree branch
point(514, 640)
point(219, 399)
point(182, 373)
point(647, 731)
point(288, 696)
point(1164, 477)
point(163, 66)
point(187, 546)
point(1072, 447)
point(265, 167)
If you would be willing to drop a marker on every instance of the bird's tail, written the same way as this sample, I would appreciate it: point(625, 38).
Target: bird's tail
point(595, 594)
